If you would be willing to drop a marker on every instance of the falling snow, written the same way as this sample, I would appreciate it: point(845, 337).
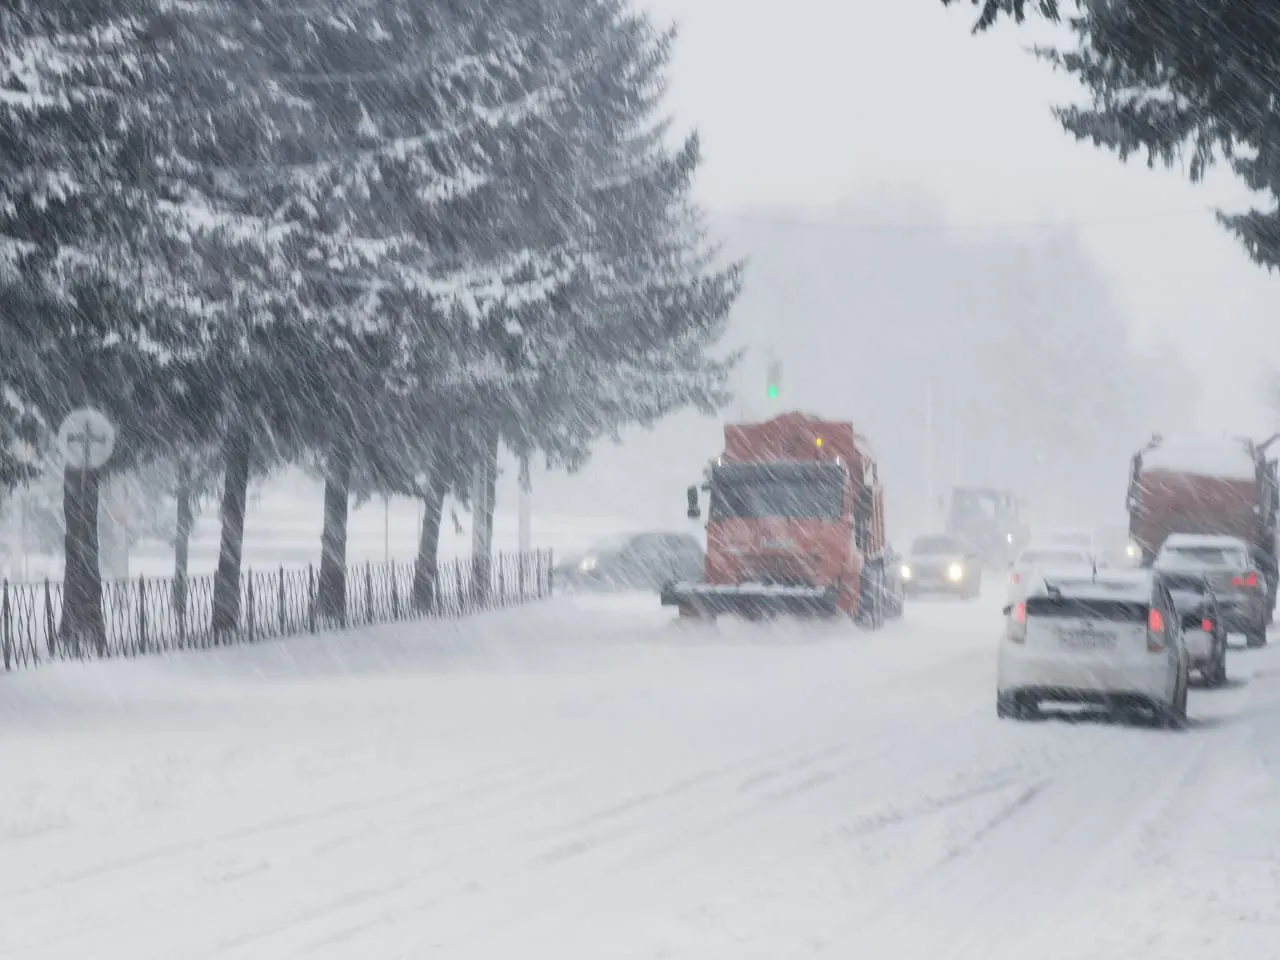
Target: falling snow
point(377, 633)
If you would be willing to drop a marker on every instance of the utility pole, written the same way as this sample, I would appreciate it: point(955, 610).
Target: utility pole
point(525, 507)
point(957, 454)
point(930, 490)
point(773, 378)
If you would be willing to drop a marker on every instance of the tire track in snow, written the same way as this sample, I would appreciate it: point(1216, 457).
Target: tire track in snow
point(686, 855)
point(240, 860)
point(430, 870)
point(531, 899)
point(1000, 887)
point(576, 847)
point(526, 870)
point(471, 783)
point(412, 894)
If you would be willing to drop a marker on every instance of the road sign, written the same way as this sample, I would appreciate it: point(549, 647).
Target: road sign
point(86, 439)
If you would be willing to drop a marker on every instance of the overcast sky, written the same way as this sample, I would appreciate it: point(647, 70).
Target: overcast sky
point(809, 102)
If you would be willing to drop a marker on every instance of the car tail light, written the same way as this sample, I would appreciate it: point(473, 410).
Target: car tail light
point(1206, 625)
point(1250, 580)
point(1155, 631)
point(1015, 578)
point(1016, 626)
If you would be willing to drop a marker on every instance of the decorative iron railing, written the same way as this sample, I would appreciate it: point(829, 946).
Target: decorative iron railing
point(150, 615)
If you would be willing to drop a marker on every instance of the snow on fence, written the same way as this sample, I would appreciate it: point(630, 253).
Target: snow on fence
point(151, 615)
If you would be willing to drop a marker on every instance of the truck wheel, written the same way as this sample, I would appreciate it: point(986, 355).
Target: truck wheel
point(872, 605)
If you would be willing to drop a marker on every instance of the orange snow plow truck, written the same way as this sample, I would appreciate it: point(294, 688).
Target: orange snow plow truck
point(795, 525)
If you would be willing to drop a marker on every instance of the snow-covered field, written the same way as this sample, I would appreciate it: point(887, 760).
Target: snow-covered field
point(581, 779)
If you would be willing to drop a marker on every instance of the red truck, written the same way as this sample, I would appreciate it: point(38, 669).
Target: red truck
point(795, 525)
point(1220, 486)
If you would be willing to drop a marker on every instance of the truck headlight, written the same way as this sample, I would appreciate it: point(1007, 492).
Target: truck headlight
point(587, 565)
point(955, 572)
point(906, 572)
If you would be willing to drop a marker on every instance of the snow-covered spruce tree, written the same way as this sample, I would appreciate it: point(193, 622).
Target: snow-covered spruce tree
point(88, 315)
point(631, 340)
point(250, 153)
point(404, 110)
point(1188, 83)
point(424, 96)
point(592, 302)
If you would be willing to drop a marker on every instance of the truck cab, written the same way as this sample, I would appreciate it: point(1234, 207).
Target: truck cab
point(994, 521)
point(794, 525)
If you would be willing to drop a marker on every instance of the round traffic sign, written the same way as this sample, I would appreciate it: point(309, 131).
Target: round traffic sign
point(86, 439)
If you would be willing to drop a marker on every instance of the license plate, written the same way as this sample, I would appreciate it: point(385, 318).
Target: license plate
point(1086, 638)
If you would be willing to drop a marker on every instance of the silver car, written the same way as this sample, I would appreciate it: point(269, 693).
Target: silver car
point(1225, 562)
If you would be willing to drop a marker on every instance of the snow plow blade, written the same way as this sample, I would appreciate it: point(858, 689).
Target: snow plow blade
point(750, 599)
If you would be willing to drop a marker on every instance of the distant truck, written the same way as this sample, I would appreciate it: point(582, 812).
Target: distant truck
point(795, 525)
point(993, 521)
point(1217, 486)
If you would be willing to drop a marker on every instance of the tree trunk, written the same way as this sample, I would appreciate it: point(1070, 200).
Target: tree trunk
point(83, 627)
point(182, 544)
point(331, 590)
point(426, 571)
point(484, 496)
point(236, 450)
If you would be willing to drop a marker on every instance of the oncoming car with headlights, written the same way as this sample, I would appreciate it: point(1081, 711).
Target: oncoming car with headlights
point(633, 561)
point(1113, 639)
point(941, 564)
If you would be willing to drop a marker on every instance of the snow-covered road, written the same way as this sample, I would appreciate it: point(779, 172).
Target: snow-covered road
point(583, 781)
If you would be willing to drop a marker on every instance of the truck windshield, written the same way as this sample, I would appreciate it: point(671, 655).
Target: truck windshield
point(975, 507)
point(986, 513)
point(789, 491)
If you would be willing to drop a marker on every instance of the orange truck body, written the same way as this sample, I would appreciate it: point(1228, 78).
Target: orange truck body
point(783, 561)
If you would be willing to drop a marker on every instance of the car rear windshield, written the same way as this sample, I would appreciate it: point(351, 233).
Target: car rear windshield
point(1186, 583)
point(1087, 608)
point(934, 546)
point(1207, 556)
point(1050, 557)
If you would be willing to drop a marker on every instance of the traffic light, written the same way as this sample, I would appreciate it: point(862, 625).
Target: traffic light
point(774, 379)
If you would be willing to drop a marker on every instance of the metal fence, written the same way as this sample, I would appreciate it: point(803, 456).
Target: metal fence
point(150, 615)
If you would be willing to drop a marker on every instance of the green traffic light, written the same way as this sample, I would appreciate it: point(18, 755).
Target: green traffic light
point(773, 391)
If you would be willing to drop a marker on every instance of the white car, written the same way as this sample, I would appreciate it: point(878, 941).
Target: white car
point(1035, 560)
point(1113, 639)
